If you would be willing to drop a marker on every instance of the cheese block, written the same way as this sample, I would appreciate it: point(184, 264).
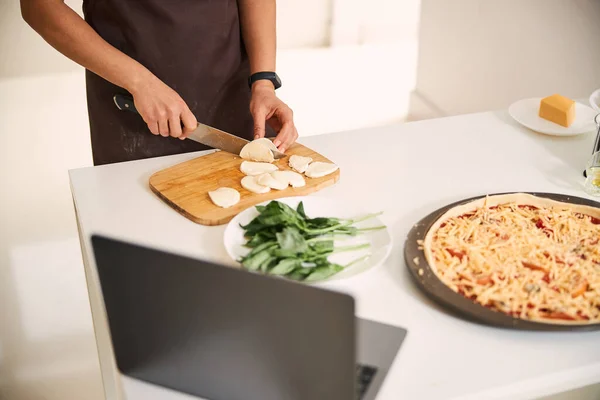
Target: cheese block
point(558, 109)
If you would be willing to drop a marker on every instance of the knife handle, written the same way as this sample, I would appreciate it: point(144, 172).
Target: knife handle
point(125, 103)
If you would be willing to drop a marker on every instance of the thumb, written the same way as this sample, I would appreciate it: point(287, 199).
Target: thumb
point(259, 124)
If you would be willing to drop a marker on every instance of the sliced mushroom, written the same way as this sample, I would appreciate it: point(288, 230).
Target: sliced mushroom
point(289, 177)
point(320, 169)
point(258, 150)
point(267, 142)
point(224, 197)
point(250, 183)
point(270, 181)
point(299, 163)
point(253, 168)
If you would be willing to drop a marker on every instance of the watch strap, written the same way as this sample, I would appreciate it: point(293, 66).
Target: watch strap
point(266, 75)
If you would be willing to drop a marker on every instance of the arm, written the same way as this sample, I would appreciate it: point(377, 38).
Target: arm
point(257, 19)
point(259, 32)
point(68, 33)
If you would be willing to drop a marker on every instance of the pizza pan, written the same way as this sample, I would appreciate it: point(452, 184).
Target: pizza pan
point(460, 306)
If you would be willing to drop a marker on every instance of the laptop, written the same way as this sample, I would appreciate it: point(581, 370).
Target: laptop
point(223, 333)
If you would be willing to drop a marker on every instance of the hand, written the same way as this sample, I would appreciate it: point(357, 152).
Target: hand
point(266, 107)
point(163, 109)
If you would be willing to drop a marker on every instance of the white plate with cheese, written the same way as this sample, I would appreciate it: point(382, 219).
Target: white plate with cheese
point(526, 112)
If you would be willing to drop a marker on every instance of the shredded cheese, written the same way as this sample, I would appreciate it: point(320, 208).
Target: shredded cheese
point(539, 263)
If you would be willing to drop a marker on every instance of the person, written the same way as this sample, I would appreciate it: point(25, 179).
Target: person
point(182, 61)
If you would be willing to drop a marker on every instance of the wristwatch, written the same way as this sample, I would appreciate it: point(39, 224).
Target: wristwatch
point(270, 76)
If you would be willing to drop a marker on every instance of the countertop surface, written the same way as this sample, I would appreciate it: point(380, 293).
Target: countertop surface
point(406, 171)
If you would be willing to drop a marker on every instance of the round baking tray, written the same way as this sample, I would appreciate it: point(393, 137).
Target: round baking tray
point(465, 308)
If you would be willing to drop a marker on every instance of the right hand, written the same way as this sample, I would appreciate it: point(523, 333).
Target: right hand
point(163, 109)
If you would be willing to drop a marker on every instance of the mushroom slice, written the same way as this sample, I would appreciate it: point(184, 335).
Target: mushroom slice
point(249, 183)
point(267, 142)
point(319, 169)
point(270, 181)
point(253, 168)
point(299, 163)
point(257, 150)
point(224, 197)
point(290, 177)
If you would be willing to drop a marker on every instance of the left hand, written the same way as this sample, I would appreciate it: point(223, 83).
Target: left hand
point(266, 107)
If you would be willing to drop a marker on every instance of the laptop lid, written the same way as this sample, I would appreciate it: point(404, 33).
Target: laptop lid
point(223, 333)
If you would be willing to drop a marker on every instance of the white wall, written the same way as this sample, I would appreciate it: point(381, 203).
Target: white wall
point(319, 23)
point(364, 76)
point(302, 24)
point(22, 51)
point(478, 55)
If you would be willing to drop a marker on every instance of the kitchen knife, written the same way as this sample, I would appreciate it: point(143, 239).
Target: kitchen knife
point(204, 134)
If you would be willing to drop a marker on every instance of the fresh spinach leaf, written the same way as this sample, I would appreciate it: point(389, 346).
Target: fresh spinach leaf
point(322, 247)
point(323, 272)
point(291, 240)
point(285, 266)
point(300, 210)
point(255, 261)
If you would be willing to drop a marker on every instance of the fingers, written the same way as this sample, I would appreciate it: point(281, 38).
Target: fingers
point(259, 123)
point(288, 133)
point(166, 114)
point(286, 137)
point(163, 127)
point(153, 126)
point(175, 126)
point(189, 123)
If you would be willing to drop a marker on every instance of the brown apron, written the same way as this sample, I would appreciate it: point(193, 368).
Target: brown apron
point(194, 46)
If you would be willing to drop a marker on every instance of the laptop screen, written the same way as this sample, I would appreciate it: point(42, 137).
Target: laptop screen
point(222, 333)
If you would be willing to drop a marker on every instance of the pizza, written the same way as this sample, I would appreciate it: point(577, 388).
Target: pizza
point(526, 256)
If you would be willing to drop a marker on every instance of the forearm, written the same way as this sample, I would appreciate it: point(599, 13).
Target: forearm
point(68, 33)
point(259, 33)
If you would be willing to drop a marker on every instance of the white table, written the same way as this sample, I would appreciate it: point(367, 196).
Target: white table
point(407, 171)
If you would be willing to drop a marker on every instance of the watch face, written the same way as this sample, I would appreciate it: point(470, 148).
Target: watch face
point(276, 81)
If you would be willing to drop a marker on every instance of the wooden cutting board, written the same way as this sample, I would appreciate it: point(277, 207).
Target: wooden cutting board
point(185, 186)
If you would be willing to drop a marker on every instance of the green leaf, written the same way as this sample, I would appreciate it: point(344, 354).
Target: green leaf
point(322, 247)
point(300, 210)
point(260, 238)
point(296, 276)
point(260, 208)
point(253, 227)
point(254, 261)
point(291, 240)
point(279, 253)
point(268, 264)
point(323, 272)
point(261, 247)
point(276, 213)
point(321, 222)
point(285, 266)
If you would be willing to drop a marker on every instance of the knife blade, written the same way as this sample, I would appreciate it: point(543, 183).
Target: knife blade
point(205, 134)
point(597, 142)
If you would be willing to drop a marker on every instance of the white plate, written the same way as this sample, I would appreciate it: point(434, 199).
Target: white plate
point(526, 111)
point(380, 240)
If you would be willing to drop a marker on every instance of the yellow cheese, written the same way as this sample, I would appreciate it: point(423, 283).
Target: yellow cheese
point(558, 109)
